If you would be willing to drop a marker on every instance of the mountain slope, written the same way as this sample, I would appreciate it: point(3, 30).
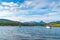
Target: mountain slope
point(6, 22)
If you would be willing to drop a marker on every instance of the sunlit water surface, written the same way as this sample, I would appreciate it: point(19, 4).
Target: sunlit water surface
point(29, 33)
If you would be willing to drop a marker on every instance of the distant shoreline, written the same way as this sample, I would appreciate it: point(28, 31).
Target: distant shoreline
point(28, 26)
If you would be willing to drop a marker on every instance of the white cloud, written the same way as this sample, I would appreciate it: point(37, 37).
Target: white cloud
point(53, 16)
point(5, 3)
point(34, 4)
point(9, 4)
point(55, 6)
point(22, 13)
point(1, 7)
point(4, 13)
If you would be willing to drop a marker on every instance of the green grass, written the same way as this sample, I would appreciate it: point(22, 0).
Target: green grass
point(55, 25)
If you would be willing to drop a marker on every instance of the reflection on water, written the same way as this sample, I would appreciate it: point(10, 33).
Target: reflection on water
point(29, 33)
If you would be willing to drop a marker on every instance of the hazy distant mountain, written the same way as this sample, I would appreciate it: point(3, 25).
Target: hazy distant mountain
point(58, 22)
point(33, 22)
point(42, 22)
point(55, 22)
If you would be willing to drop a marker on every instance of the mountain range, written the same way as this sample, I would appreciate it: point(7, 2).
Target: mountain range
point(33, 22)
point(6, 22)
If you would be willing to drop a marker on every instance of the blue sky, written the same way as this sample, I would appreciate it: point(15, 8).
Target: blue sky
point(30, 10)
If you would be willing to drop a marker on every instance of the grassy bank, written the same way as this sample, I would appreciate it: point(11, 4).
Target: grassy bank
point(55, 25)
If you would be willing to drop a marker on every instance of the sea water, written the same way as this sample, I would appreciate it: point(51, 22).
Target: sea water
point(29, 33)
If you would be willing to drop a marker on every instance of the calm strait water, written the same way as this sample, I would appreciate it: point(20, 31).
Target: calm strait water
point(29, 33)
